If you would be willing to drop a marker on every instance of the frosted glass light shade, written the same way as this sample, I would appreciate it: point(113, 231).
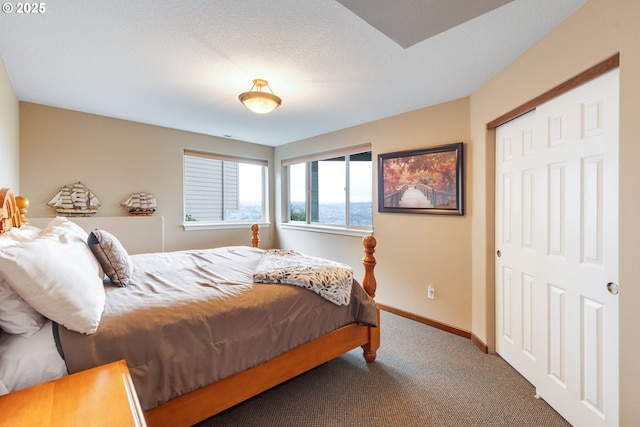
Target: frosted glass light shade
point(258, 101)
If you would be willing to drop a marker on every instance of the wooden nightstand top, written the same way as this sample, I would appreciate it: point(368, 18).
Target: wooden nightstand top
point(102, 396)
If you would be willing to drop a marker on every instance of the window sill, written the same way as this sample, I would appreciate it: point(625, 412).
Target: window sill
point(317, 228)
point(191, 226)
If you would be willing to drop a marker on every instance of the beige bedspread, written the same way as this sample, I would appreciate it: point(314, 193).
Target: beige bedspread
point(190, 318)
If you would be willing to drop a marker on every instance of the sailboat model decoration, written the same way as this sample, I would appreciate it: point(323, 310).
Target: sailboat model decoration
point(75, 200)
point(142, 203)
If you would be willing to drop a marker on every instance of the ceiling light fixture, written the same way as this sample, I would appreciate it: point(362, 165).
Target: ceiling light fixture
point(258, 101)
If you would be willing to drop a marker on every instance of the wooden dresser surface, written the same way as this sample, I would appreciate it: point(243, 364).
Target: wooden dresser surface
point(102, 396)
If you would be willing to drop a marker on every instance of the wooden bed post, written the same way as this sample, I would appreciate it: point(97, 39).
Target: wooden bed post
point(369, 282)
point(255, 235)
point(23, 204)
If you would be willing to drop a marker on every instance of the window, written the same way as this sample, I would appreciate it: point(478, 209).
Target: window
point(335, 191)
point(223, 189)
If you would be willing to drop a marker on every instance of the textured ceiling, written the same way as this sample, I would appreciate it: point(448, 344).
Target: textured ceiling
point(181, 64)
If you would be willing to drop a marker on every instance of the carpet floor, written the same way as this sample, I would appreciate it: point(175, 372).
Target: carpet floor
point(422, 377)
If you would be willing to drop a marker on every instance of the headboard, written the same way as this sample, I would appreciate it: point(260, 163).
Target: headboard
point(10, 216)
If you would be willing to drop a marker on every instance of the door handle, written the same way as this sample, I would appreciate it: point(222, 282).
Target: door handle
point(498, 253)
point(612, 288)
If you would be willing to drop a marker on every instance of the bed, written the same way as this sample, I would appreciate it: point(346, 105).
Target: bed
point(246, 329)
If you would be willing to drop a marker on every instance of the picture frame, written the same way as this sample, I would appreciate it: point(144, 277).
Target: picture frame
point(423, 181)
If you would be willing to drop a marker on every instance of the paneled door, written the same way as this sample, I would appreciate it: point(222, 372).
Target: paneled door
point(516, 240)
point(557, 250)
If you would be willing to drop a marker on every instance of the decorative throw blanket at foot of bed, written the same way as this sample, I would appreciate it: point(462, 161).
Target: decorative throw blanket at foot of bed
point(329, 279)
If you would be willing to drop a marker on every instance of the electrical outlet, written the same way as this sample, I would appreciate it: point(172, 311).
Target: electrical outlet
point(431, 292)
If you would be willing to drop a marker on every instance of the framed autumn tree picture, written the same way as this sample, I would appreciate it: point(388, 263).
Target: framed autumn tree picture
point(426, 181)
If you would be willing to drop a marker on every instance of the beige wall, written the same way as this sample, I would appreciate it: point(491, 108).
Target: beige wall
point(9, 133)
point(595, 32)
point(413, 250)
point(115, 158)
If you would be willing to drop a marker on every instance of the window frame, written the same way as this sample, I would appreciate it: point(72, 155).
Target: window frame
point(308, 225)
point(226, 224)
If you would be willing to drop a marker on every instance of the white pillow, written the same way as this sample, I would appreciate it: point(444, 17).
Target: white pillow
point(26, 232)
point(16, 315)
point(62, 223)
point(57, 274)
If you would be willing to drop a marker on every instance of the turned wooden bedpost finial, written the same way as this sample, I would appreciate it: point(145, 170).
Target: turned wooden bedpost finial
point(23, 204)
point(255, 238)
point(369, 282)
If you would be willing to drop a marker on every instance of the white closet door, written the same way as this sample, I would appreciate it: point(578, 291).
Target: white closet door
point(570, 195)
point(578, 331)
point(516, 243)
